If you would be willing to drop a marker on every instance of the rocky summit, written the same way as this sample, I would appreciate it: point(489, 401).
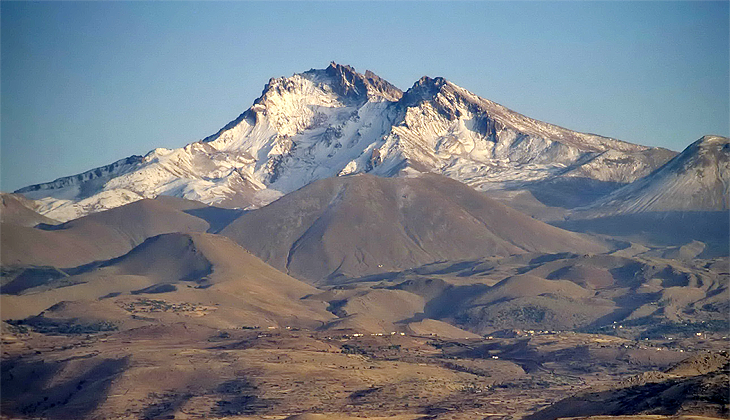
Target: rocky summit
point(336, 121)
point(346, 250)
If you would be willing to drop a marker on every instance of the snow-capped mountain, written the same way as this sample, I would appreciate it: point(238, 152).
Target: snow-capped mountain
point(447, 129)
point(331, 122)
point(698, 179)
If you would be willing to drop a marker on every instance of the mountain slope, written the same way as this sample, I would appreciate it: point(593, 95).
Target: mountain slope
point(682, 203)
point(323, 123)
point(449, 129)
point(703, 394)
point(359, 225)
point(18, 210)
point(203, 278)
point(695, 180)
point(98, 236)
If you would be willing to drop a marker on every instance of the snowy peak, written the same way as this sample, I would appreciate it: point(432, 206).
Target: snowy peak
point(697, 179)
point(453, 101)
point(290, 105)
point(336, 121)
point(341, 82)
point(489, 146)
point(425, 88)
point(350, 84)
point(703, 155)
point(447, 98)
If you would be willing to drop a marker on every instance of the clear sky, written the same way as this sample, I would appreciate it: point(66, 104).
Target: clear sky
point(86, 84)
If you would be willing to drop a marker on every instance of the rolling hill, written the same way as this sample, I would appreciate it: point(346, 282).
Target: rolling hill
point(359, 225)
point(198, 278)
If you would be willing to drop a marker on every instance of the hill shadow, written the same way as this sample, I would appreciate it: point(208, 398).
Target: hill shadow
point(217, 217)
point(672, 228)
point(27, 391)
point(569, 192)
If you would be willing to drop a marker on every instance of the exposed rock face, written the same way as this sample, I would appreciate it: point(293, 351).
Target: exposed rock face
point(324, 123)
point(348, 83)
point(99, 175)
point(451, 131)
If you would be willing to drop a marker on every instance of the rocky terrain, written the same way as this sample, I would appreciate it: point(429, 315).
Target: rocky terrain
point(344, 249)
point(325, 123)
point(169, 321)
point(181, 371)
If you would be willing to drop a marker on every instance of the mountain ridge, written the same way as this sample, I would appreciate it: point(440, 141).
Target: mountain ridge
point(697, 179)
point(335, 121)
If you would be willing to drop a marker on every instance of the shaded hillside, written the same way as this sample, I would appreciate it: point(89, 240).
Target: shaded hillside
point(596, 292)
point(202, 278)
point(18, 210)
point(662, 229)
point(98, 236)
point(31, 239)
point(633, 296)
point(704, 394)
point(359, 225)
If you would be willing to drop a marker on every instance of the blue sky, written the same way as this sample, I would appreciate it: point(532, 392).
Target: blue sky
point(86, 84)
